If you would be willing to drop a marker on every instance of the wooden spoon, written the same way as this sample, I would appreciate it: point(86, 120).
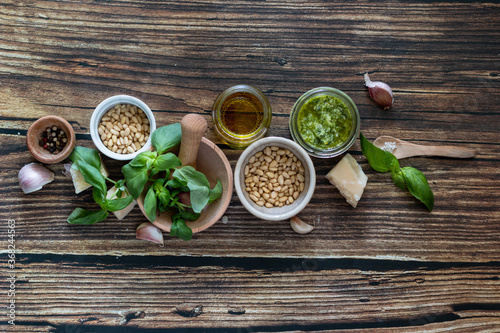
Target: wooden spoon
point(406, 149)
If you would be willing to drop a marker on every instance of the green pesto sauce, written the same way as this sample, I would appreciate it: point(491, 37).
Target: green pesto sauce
point(324, 122)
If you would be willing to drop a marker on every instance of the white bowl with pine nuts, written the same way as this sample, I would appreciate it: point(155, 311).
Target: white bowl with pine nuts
point(274, 178)
point(121, 127)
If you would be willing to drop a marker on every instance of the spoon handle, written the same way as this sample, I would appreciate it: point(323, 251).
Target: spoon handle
point(448, 151)
point(405, 150)
point(193, 128)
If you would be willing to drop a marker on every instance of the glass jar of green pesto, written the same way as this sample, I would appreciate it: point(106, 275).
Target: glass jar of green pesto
point(325, 122)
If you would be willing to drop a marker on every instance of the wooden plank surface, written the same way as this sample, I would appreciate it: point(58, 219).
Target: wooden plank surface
point(386, 266)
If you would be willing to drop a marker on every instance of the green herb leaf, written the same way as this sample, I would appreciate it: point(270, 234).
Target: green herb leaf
point(418, 186)
point(216, 192)
point(135, 178)
point(120, 188)
point(85, 217)
point(188, 174)
point(164, 197)
point(187, 215)
point(92, 175)
point(91, 156)
point(99, 197)
point(380, 160)
point(398, 179)
point(150, 204)
point(145, 158)
point(114, 205)
point(166, 137)
point(176, 183)
point(199, 197)
point(180, 229)
point(166, 162)
point(199, 187)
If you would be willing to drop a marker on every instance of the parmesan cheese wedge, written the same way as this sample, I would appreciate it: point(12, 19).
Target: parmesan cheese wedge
point(349, 179)
point(120, 214)
point(78, 181)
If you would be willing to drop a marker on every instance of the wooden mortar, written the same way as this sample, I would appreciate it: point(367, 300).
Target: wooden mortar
point(212, 162)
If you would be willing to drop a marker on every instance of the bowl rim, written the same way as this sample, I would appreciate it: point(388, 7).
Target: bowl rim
point(270, 141)
point(37, 152)
point(102, 108)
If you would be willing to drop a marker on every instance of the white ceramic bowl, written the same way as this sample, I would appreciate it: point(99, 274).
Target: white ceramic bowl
point(102, 108)
point(275, 213)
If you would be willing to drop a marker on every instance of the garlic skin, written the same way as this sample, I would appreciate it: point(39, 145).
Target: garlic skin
point(380, 92)
point(148, 231)
point(33, 176)
point(300, 226)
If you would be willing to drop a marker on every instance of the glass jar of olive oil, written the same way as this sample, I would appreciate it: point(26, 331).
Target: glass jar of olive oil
point(241, 115)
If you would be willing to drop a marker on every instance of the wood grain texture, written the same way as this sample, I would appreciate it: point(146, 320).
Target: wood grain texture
point(386, 266)
point(267, 294)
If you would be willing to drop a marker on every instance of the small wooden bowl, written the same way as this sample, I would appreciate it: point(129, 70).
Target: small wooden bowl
point(35, 134)
point(213, 163)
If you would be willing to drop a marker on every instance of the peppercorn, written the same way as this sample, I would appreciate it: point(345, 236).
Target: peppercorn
point(53, 139)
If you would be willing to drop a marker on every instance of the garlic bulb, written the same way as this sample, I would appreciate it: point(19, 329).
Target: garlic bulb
point(148, 231)
point(380, 92)
point(33, 176)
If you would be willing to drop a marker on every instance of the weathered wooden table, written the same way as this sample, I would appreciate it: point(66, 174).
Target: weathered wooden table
point(387, 266)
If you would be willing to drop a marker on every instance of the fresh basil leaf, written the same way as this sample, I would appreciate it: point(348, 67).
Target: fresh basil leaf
point(418, 186)
point(398, 179)
point(163, 196)
point(176, 183)
point(135, 178)
point(180, 229)
point(150, 204)
point(92, 175)
point(158, 184)
point(199, 187)
point(99, 197)
point(216, 192)
point(114, 205)
point(380, 160)
point(199, 196)
point(85, 217)
point(191, 176)
point(191, 216)
point(166, 162)
point(166, 137)
point(91, 156)
point(145, 158)
point(120, 188)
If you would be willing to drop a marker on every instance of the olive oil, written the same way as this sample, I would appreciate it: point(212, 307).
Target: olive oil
point(242, 113)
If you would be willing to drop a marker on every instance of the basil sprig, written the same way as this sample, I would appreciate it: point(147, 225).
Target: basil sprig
point(88, 162)
point(150, 172)
point(157, 173)
point(407, 177)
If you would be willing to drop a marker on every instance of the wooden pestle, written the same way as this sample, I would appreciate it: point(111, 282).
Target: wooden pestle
point(193, 128)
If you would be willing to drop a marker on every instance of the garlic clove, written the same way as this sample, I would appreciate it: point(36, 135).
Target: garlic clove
point(67, 168)
point(300, 226)
point(380, 92)
point(33, 176)
point(148, 231)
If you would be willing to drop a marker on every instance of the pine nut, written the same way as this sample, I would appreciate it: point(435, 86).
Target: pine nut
point(272, 177)
point(114, 126)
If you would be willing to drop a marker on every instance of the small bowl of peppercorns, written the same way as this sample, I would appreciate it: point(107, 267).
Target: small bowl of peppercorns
point(50, 139)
